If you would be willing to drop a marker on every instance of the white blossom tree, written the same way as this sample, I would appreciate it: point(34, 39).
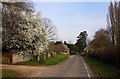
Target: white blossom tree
point(38, 35)
point(23, 31)
point(14, 24)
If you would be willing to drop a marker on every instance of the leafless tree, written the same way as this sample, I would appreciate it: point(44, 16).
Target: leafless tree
point(113, 21)
point(50, 27)
point(101, 39)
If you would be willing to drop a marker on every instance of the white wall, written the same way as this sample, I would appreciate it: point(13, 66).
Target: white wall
point(21, 58)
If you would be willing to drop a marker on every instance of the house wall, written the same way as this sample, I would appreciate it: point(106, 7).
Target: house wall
point(65, 53)
point(50, 54)
point(21, 58)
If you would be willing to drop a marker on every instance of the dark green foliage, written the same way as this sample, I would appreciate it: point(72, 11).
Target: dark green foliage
point(72, 47)
point(81, 41)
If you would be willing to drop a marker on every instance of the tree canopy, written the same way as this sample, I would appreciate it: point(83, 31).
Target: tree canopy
point(81, 41)
point(23, 29)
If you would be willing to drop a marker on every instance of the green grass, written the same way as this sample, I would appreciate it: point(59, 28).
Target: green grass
point(9, 73)
point(49, 61)
point(56, 60)
point(101, 69)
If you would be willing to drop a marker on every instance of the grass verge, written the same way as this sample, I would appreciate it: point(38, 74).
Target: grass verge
point(101, 69)
point(49, 61)
point(9, 73)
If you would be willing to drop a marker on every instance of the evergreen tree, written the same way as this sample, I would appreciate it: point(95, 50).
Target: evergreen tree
point(81, 41)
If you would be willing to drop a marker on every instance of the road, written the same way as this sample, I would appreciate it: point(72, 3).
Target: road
point(73, 67)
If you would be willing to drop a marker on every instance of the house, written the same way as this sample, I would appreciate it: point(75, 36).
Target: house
point(57, 49)
point(62, 49)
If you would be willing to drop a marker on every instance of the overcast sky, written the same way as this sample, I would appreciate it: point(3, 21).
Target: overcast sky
point(71, 18)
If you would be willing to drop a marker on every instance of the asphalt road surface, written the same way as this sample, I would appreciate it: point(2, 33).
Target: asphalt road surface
point(73, 67)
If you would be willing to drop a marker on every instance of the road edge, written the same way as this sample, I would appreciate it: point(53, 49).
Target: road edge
point(90, 71)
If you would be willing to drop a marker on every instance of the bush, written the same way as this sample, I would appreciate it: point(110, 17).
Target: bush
point(109, 55)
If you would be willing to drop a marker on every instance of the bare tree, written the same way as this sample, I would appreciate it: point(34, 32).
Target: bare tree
point(113, 21)
point(51, 29)
point(101, 39)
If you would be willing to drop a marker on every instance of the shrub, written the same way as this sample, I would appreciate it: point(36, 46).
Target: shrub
point(109, 55)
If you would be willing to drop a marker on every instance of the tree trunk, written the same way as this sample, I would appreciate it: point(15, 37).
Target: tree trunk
point(41, 58)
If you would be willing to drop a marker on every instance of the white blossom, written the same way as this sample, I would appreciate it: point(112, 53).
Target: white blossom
point(24, 32)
